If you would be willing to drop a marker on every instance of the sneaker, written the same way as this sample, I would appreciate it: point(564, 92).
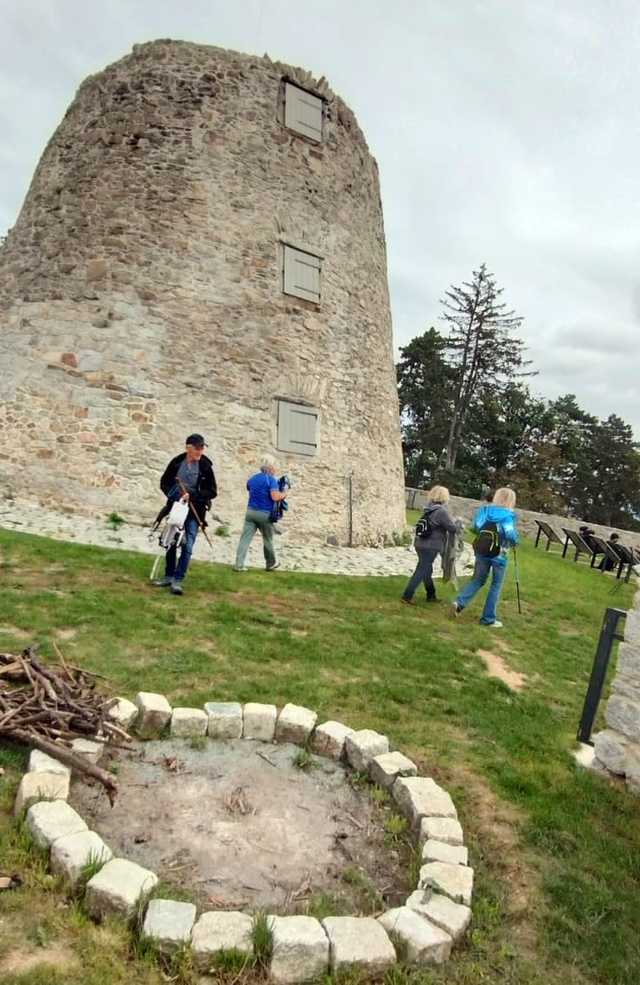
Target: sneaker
point(176, 588)
point(240, 569)
point(493, 625)
point(407, 601)
point(162, 582)
point(455, 609)
point(272, 567)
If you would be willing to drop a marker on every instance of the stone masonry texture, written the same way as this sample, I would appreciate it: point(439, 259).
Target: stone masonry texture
point(141, 297)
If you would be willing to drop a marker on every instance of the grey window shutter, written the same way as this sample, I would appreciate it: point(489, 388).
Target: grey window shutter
point(301, 274)
point(302, 112)
point(297, 428)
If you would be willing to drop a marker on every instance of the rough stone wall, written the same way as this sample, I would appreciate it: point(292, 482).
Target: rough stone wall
point(141, 296)
point(618, 746)
point(465, 508)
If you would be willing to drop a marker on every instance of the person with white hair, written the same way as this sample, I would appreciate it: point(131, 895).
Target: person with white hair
point(263, 493)
point(430, 540)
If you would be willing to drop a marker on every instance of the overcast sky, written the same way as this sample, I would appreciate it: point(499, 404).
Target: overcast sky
point(506, 131)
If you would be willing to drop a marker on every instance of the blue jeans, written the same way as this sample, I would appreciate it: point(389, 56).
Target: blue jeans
point(177, 572)
point(498, 568)
point(422, 573)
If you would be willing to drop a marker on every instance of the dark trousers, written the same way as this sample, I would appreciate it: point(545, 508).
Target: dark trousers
point(424, 567)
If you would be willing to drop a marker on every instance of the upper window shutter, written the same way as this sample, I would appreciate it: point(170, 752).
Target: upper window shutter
point(301, 274)
point(302, 112)
point(297, 428)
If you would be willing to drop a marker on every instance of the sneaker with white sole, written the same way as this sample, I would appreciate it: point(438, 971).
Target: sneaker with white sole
point(176, 588)
point(162, 582)
point(493, 625)
point(455, 609)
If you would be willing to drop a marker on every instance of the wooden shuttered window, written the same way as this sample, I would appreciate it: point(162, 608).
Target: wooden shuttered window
point(298, 428)
point(302, 112)
point(301, 276)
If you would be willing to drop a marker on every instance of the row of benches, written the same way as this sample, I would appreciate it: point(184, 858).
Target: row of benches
point(621, 556)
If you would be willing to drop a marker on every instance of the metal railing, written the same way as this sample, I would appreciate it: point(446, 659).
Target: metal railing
point(608, 634)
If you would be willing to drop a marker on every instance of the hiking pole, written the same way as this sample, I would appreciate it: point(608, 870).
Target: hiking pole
point(515, 571)
point(195, 513)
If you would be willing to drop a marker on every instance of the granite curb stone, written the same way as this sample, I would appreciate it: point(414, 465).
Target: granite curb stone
point(454, 881)
point(154, 713)
point(424, 942)
point(446, 829)
point(70, 854)
point(442, 911)
point(439, 851)
point(49, 820)
point(295, 724)
point(169, 923)
point(188, 722)
point(118, 887)
point(224, 719)
point(419, 797)
point(220, 930)
point(40, 786)
point(39, 762)
point(124, 713)
point(259, 721)
point(363, 746)
point(358, 942)
point(89, 749)
point(384, 769)
point(300, 949)
point(328, 739)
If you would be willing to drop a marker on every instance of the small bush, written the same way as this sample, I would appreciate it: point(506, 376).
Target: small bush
point(115, 521)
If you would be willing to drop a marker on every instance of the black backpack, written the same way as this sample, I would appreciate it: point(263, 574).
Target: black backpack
point(487, 542)
point(424, 526)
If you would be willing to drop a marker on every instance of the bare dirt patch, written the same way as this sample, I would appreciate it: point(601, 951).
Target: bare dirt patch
point(498, 667)
point(239, 825)
point(15, 632)
point(18, 962)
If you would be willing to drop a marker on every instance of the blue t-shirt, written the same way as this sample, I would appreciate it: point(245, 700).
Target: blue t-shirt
point(260, 486)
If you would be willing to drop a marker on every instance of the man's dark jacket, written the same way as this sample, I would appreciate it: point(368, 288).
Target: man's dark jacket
point(206, 489)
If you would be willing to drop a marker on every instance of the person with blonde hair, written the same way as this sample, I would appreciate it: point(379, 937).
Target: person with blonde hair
point(263, 493)
point(495, 527)
point(431, 531)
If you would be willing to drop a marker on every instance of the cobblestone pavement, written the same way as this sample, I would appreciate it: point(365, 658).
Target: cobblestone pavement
point(311, 557)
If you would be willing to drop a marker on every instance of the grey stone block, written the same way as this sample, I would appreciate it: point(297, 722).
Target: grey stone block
point(188, 722)
point(439, 851)
point(454, 881)
point(52, 819)
point(88, 749)
point(295, 724)
point(384, 769)
point(300, 949)
point(124, 713)
point(452, 917)
point(623, 715)
point(611, 749)
point(224, 719)
point(154, 713)
point(259, 721)
point(424, 942)
point(363, 746)
point(40, 786)
point(169, 924)
point(220, 930)
point(70, 854)
point(446, 829)
point(39, 762)
point(419, 797)
point(358, 942)
point(328, 739)
point(118, 888)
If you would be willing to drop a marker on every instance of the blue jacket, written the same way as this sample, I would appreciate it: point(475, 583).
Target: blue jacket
point(504, 519)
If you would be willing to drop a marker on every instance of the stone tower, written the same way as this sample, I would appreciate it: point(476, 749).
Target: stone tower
point(202, 249)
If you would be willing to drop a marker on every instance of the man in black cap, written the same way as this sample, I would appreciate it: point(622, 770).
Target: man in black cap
point(188, 477)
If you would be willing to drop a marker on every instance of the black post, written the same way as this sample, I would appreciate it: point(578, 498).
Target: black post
point(350, 481)
point(608, 634)
point(538, 537)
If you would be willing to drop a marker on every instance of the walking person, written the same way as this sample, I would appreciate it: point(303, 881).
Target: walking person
point(264, 491)
point(431, 533)
point(495, 526)
point(188, 477)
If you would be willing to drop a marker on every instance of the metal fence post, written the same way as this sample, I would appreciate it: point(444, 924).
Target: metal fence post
point(608, 634)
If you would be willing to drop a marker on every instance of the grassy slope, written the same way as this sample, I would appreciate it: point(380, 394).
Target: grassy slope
point(556, 850)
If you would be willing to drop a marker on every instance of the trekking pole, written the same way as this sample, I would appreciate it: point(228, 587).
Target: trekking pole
point(515, 571)
point(195, 513)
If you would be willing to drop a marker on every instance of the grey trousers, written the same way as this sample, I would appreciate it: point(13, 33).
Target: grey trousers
point(256, 520)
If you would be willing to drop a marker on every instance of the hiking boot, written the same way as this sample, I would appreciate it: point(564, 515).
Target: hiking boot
point(272, 567)
point(162, 582)
point(176, 588)
point(407, 601)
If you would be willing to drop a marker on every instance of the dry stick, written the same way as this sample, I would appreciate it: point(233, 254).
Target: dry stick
point(68, 758)
point(195, 513)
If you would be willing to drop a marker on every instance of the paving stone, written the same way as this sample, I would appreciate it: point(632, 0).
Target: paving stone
point(454, 881)
point(188, 722)
point(220, 930)
point(384, 769)
point(39, 762)
point(295, 724)
point(41, 786)
point(70, 854)
point(359, 942)
point(124, 713)
point(154, 713)
point(439, 851)
point(446, 829)
point(52, 819)
point(442, 911)
point(419, 796)
point(328, 739)
point(424, 942)
point(300, 949)
point(259, 721)
point(362, 746)
point(117, 888)
point(169, 924)
point(88, 749)
point(611, 749)
point(225, 719)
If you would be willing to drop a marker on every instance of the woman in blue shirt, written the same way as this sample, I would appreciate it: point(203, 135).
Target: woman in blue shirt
point(263, 493)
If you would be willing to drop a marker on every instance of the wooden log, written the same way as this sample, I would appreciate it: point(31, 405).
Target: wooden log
point(64, 755)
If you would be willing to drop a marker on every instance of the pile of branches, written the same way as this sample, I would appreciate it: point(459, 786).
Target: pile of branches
point(46, 707)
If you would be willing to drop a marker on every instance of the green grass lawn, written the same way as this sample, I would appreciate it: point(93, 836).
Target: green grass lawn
point(556, 850)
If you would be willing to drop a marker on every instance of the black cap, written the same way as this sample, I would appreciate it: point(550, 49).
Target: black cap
point(196, 440)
